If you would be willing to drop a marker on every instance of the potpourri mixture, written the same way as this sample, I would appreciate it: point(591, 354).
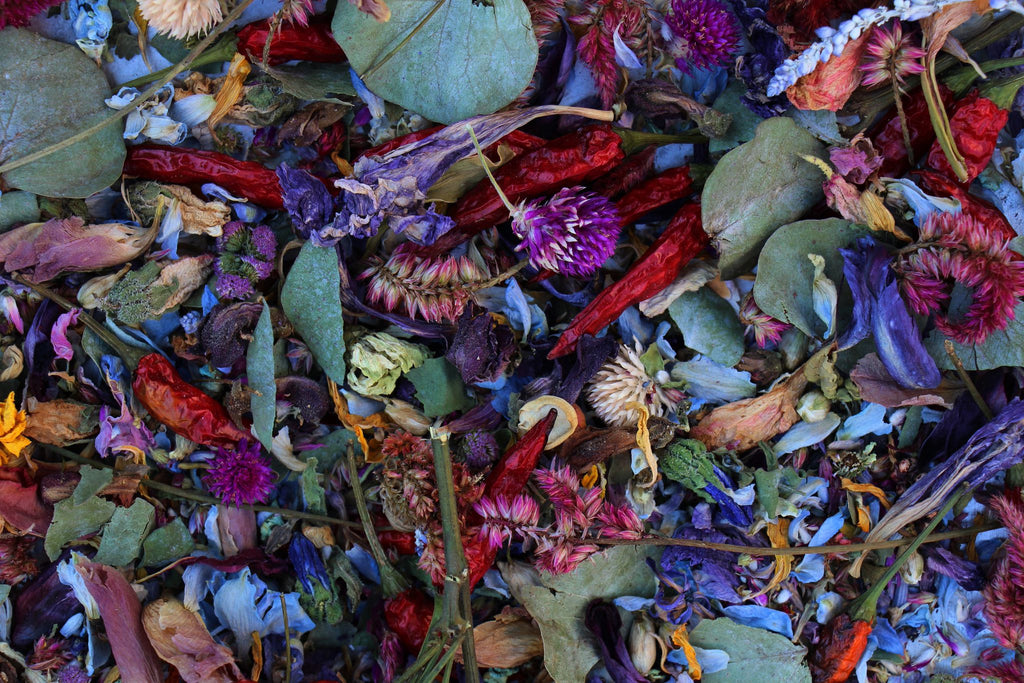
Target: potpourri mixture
point(511, 340)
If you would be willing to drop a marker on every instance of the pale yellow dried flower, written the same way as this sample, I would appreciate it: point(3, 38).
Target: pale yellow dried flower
point(181, 18)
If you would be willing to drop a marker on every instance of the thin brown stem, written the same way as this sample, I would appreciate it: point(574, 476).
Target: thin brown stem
point(903, 121)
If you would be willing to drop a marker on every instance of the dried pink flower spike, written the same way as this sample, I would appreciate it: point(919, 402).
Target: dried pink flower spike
point(503, 516)
point(767, 330)
point(959, 249)
point(1004, 594)
point(890, 55)
point(19, 12)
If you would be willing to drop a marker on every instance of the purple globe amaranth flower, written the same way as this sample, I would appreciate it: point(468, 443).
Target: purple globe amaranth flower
point(572, 233)
point(707, 31)
point(247, 257)
point(480, 449)
point(240, 477)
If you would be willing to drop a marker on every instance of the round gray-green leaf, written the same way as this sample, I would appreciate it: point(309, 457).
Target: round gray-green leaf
point(49, 92)
point(785, 276)
point(757, 187)
point(447, 60)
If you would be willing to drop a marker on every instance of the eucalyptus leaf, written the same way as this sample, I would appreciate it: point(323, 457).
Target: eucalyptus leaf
point(122, 537)
point(50, 92)
point(17, 208)
point(439, 387)
point(754, 653)
point(312, 301)
point(259, 367)
point(445, 59)
point(757, 187)
point(312, 81)
point(709, 326)
point(785, 276)
point(744, 122)
point(557, 603)
point(1002, 348)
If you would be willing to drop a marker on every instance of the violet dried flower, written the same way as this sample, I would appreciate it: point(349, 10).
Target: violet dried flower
point(572, 233)
point(480, 449)
point(707, 31)
point(240, 477)
point(958, 249)
point(247, 257)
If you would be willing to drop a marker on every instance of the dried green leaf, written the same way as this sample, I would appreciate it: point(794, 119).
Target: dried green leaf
point(122, 537)
point(312, 301)
point(259, 367)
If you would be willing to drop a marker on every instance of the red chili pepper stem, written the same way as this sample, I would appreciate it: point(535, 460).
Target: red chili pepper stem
point(457, 612)
point(634, 140)
point(865, 607)
point(391, 581)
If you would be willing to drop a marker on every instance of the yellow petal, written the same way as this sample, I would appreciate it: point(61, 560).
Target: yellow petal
point(878, 493)
point(681, 639)
point(231, 89)
point(783, 563)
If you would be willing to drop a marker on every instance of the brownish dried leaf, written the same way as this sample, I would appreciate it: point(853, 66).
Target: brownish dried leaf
point(43, 251)
point(876, 385)
point(61, 421)
point(180, 638)
point(740, 425)
point(830, 85)
point(506, 642)
point(185, 275)
point(375, 8)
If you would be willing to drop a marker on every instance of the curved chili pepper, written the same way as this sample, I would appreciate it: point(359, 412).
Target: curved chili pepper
point(408, 614)
point(887, 135)
point(584, 154)
point(975, 124)
point(313, 43)
point(842, 644)
point(248, 179)
point(667, 186)
point(683, 239)
point(183, 407)
point(980, 209)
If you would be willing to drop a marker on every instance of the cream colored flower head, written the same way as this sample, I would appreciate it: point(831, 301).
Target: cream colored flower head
point(181, 18)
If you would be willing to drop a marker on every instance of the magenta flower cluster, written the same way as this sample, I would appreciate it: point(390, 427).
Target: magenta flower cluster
point(959, 249)
point(240, 477)
point(572, 233)
point(708, 33)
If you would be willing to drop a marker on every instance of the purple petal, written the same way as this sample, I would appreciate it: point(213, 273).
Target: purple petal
point(59, 334)
point(899, 342)
point(603, 620)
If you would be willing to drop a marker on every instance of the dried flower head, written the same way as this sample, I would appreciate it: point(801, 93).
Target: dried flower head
point(573, 233)
point(767, 330)
point(502, 517)
point(240, 477)
point(624, 380)
point(1004, 594)
point(434, 289)
point(16, 560)
point(181, 18)
point(480, 449)
point(296, 11)
point(49, 654)
point(601, 22)
point(708, 33)
point(957, 249)
point(19, 12)
point(890, 55)
point(247, 256)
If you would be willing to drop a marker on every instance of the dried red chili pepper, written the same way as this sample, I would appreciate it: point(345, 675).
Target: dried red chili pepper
point(887, 135)
point(630, 173)
point(313, 43)
point(975, 207)
point(511, 474)
point(408, 614)
point(683, 239)
point(248, 179)
point(584, 154)
point(843, 642)
point(182, 406)
point(667, 186)
point(975, 124)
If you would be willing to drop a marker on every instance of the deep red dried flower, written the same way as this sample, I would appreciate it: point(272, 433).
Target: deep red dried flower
point(959, 249)
point(1004, 594)
point(19, 12)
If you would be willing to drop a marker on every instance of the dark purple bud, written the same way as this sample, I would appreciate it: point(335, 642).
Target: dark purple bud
point(602, 619)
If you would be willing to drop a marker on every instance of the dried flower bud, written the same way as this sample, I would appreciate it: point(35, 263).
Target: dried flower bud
point(813, 406)
point(643, 645)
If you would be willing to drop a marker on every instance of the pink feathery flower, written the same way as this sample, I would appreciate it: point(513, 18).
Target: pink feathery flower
point(890, 55)
point(240, 477)
point(19, 12)
point(1004, 594)
point(572, 233)
point(561, 485)
point(296, 11)
point(767, 330)
point(707, 30)
point(503, 516)
point(620, 522)
point(959, 249)
point(561, 554)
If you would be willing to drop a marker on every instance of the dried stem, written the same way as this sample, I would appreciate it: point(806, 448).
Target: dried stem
point(391, 581)
point(457, 613)
point(971, 388)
